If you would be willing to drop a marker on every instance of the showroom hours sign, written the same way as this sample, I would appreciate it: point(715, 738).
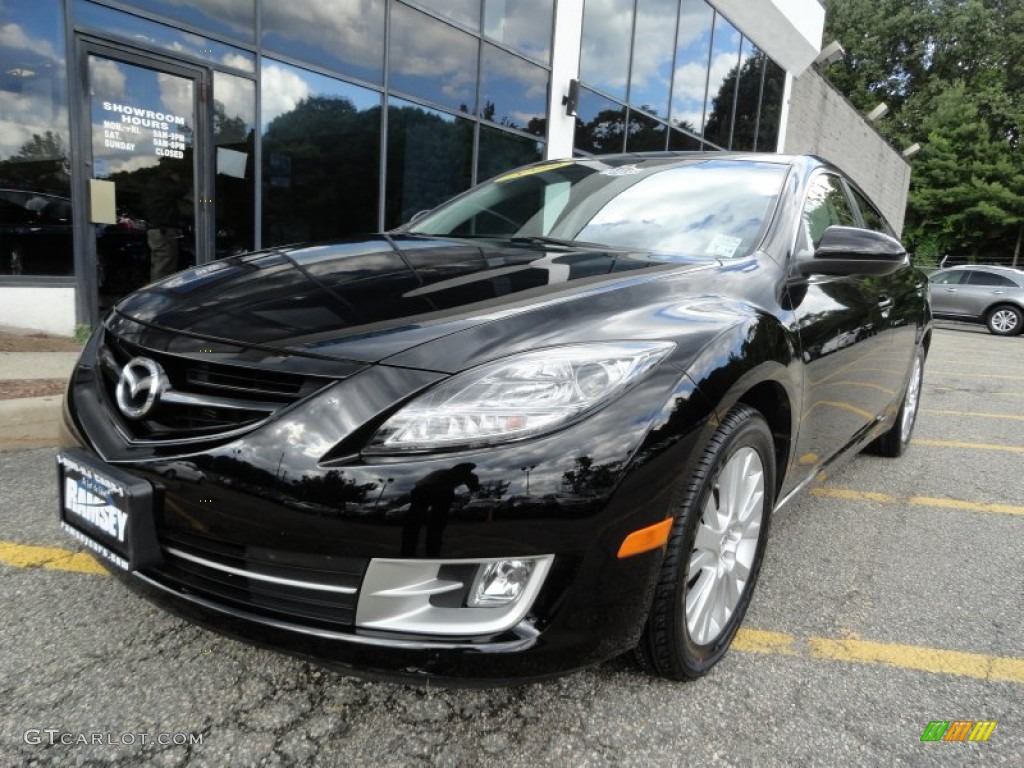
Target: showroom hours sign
point(134, 129)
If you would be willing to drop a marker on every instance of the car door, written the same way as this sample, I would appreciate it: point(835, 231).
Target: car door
point(945, 293)
point(981, 289)
point(844, 349)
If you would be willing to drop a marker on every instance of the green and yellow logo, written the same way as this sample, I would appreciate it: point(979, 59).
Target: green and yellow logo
point(958, 730)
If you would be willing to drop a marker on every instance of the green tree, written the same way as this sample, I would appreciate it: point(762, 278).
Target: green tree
point(952, 73)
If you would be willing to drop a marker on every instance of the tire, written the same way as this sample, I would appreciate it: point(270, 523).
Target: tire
point(893, 443)
point(686, 636)
point(1005, 320)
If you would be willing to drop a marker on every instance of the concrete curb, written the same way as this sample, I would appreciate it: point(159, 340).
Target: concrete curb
point(30, 422)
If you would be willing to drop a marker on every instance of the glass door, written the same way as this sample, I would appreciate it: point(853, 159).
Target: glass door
point(144, 165)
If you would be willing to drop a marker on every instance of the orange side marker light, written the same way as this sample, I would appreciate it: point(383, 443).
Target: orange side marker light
point(646, 539)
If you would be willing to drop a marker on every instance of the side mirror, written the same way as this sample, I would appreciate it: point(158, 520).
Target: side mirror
point(854, 251)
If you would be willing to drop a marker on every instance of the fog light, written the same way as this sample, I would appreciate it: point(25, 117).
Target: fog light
point(500, 583)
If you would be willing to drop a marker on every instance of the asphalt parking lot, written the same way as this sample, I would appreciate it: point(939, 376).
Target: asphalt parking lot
point(891, 596)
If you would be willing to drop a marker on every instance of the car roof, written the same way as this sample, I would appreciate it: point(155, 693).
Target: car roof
point(997, 267)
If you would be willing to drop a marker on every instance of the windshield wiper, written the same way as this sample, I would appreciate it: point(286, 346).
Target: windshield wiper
point(544, 240)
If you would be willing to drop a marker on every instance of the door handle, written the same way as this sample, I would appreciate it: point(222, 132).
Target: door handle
point(951, 290)
point(997, 293)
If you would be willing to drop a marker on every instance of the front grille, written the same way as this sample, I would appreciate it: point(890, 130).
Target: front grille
point(313, 590)
point(206, 398)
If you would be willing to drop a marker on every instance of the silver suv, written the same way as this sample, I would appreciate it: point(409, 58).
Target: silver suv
point(981, 294)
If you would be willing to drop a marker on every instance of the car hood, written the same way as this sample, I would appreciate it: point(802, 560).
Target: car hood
point(382, 298)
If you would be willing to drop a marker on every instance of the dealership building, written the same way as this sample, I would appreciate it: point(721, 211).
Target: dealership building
point(134, 132)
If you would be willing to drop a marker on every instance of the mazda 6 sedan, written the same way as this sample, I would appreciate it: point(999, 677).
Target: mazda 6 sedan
point(542, 425)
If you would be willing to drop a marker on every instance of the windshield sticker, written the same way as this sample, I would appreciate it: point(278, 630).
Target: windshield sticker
point(622, 170)
point(724, 245)
point(531, 171)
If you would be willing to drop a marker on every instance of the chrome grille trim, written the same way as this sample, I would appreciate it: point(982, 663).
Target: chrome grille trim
point(259, 576)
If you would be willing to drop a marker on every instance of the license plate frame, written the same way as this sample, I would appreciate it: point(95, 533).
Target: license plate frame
point(107, 509)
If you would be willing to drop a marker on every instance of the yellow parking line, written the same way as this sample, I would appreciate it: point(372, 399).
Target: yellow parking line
point(969, 446)
point(946, 390)
point(918, 501)
point(935, 660)
point(53, 558)
point(978, 414)
point(972, 375)
point(763, 641)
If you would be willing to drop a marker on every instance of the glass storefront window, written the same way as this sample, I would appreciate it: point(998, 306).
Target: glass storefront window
point(466, 12)
point(692, 49)
point(345, 37)
point(513, 92)
point(321, 155)
point(771, 107)
point(693, 46)
point(725, 56)
point(683, 142)
point(430, 158)
point(604, 53)
point(653, 46)
point(645, 133)
point(35, 184)
point(234, 132)
point(234, 18)
point(600, 124)
point(524, 25)
point(107, 21)
point(501, 151)
point(432, 60)
point(748, 97)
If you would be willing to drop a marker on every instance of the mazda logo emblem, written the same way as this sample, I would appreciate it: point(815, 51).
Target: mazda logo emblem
point(140, 386)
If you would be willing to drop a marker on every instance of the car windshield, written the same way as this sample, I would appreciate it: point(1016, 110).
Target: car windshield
point(700, 208)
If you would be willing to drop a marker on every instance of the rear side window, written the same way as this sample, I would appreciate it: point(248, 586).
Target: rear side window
point(988, 278)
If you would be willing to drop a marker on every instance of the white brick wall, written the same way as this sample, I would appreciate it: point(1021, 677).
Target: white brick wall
point(823, 123)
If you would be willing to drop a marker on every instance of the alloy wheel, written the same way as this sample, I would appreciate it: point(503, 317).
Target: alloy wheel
point(910, 403)
point(724, 546)
point(1003, 321)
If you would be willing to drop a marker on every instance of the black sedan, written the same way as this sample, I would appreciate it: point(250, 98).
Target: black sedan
point(542, 425)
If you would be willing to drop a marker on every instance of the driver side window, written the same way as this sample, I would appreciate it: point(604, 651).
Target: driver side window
point(826, 204)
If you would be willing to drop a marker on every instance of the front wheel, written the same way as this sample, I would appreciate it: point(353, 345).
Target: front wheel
point(1005, 321)
point(714, 551)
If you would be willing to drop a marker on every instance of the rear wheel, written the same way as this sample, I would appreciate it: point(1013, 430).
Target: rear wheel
point(1005, 320)
point(714, 551)
point(894, 442)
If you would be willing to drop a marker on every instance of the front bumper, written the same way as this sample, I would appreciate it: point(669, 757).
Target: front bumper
point(291, 497)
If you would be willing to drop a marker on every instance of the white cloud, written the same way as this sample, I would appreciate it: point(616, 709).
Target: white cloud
point(281, 91)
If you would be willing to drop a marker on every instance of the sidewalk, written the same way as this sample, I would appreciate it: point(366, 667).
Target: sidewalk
point(34, 370)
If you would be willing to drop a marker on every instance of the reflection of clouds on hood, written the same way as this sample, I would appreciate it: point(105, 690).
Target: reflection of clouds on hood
point(280, 91)
point(357, 28)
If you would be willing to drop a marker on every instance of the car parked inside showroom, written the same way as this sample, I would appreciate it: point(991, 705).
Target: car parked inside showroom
point(545, 424)
point(989, 294)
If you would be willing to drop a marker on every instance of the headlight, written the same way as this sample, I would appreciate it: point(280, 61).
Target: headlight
point(518, 397)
